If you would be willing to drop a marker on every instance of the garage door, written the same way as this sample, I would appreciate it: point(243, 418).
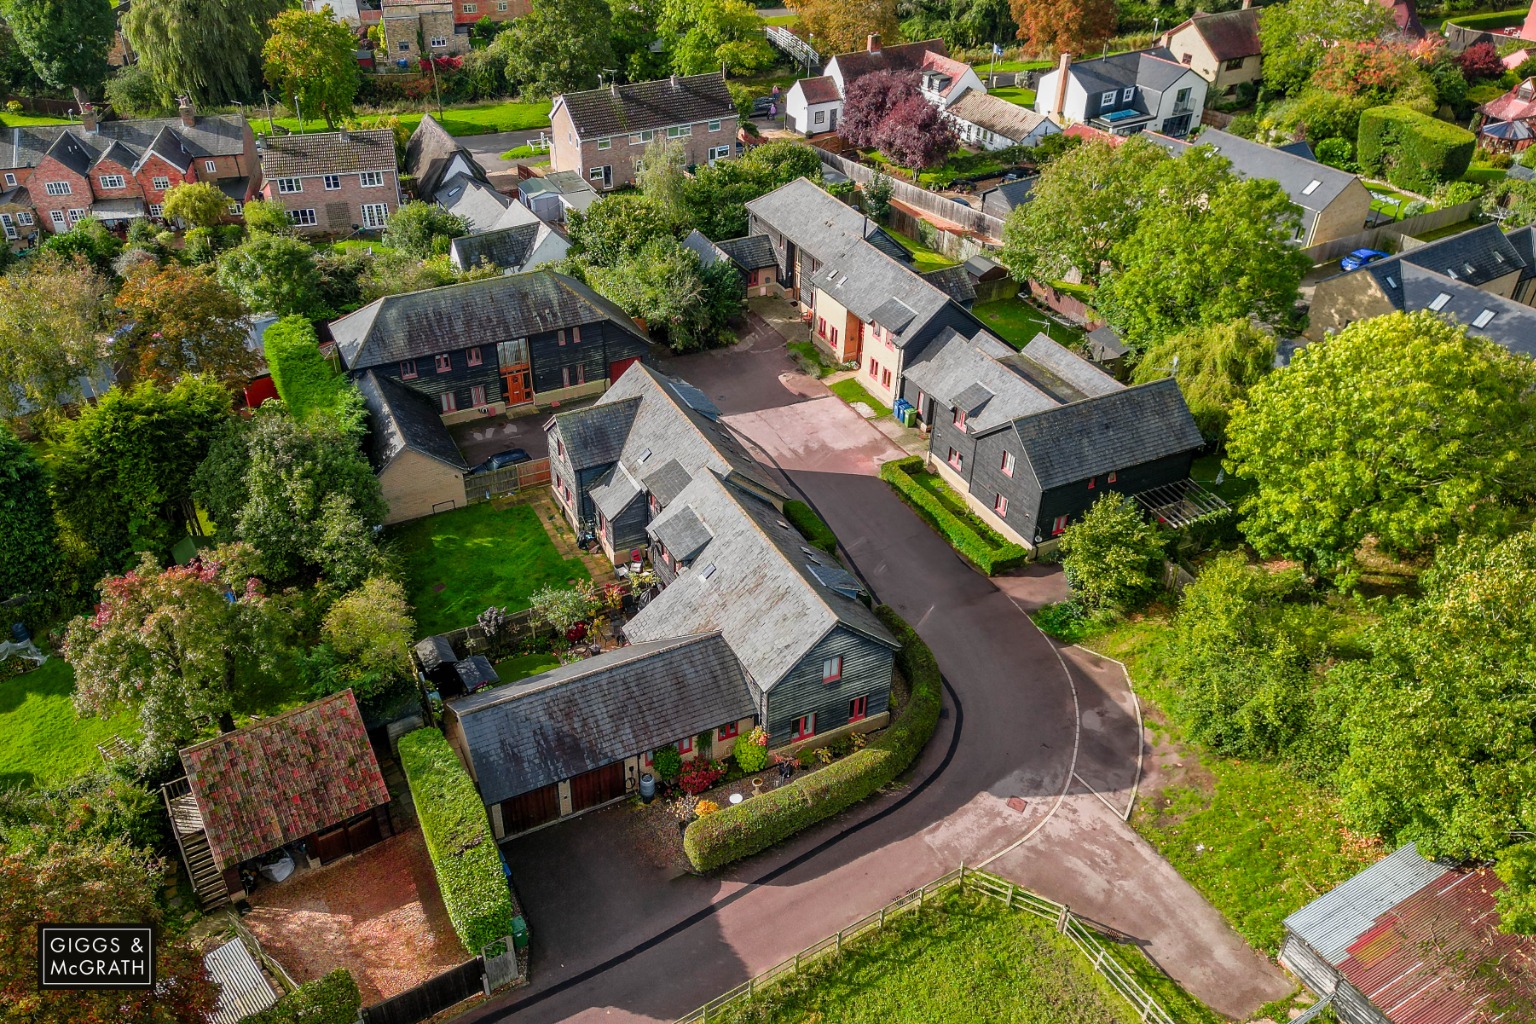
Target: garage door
point(597, 786)
point(616, 369)
point(530, 810)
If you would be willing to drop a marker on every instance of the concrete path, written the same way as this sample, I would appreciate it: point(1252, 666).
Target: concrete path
point(1031, 771)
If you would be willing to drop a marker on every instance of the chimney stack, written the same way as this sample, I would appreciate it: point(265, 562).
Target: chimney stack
point(613, 89)
point(873, 43)
point(674, 81)
point(187, 111)
point(89, 119)
point(1061, 86)
point(1247, 4)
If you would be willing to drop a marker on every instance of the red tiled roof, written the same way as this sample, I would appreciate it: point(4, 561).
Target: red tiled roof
point(1439, 958)
point(945, 66)
point(1230, 34)
point(1088, 133)
point(1516, 105)
point(284, 778)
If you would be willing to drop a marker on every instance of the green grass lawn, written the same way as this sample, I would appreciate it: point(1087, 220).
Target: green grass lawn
point(357, 244)
point(984, 67)
point(812, 359)
point(29, 120)
point(1484, 175)
point(967, 960)
point(924, 259)
point(1490, 21)
point(1447, 231)
point(42, 742)
point(480, 119)
point(526, 153)
point(459, 563)
point(1016, 94)
point(521, 666)
point(850, 391)
point(1017, 323)
point(1253, 837)
point(784, 20)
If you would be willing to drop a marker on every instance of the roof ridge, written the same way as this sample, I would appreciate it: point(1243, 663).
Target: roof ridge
point(263, 723)
point(505, 694)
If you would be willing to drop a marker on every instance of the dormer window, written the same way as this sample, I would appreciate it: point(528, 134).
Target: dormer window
point(959, 420)
point(1128, 95)
point(1108, 99)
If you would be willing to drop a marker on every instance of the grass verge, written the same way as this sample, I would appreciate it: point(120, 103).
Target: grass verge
point(30, 120)
point(42, 742)
point(1016, 94)
point(459, 563)
point(947, 512)
point(850, 391)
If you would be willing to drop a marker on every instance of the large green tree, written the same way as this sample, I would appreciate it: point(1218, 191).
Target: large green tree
point(1297, 35)
point(311, 58)
point(687, 305)
point(420, 229)
point(180, 320)
point(1215, 366)
point(634, 32)
point(1402, 428)
point(558, 46)
point(614, 229)
point(28, 553)
point(274, 274)
point(66, 41)
point(53, 319)
point(842, 26)
point(208, 50)
point(1112, 556)
point(701, 35)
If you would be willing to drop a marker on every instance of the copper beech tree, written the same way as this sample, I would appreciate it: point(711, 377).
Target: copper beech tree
point(1064, 26)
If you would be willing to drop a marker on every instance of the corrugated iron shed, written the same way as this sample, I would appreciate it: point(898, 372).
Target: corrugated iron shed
point(1332, 922)
point(243, 989)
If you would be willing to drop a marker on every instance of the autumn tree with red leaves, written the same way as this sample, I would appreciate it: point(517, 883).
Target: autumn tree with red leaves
point(916, 135)
point(1064, 26)
point(870, 99)
point(1480, 60)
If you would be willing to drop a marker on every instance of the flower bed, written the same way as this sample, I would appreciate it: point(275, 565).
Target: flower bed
point(976, 543)
point(744, 829)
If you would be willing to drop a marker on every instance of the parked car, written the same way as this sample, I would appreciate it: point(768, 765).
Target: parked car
point(1362, 257)
point(501, 460)
point(761, 106)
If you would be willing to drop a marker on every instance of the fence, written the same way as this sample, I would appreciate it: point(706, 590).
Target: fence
point(968, 218)
point(956, 247)
point(1082, 937)
point(43, 105)
point(1375, 238)
point(485, 486)
point(472, 639)
point(430, 997)
point(1216, 118)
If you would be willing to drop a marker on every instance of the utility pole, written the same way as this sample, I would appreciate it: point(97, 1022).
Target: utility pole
point(432, 63)
point(267, 100)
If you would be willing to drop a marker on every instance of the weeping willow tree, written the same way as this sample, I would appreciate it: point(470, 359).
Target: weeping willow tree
point(209, 50)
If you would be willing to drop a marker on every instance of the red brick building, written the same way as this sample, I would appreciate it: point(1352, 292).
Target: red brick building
point(333, 183)
point(118, 171)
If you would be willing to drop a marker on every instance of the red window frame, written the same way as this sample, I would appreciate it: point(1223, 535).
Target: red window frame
point(874, 368)
point(858, 709)
point(560, 447)
point(444, 363)
point(1008, 464)
point(575, 335)
point(728, 732)
point(959, 419)
point(407, 369)
point(1093, 482)
point(821, 326)
point(450, 402)
point(885, 378)
point(831, 669)
point(474, 357)
point(685, 745)
point(803, 728)
point(834, 337)
point(1112, 477)
point(1059, 526)
point(477, 394)
point(956, 460)
point(1000, 505)
point(560, 336)
point(646, 758)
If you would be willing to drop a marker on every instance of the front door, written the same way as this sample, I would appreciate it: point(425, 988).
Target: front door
point(519, 388)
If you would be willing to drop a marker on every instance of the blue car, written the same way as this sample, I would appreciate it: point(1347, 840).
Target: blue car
point(1361, 257)
point(501, 460)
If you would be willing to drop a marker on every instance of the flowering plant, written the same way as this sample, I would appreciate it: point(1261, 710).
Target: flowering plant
point(698, 775)
point(752, 750)
point(704, 807)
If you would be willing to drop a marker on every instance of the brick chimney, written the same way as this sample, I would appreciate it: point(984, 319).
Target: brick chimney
point(1061, 86)
point(187, 111)
point(873, 42)
point(1247, 4)
point(674, 81)
point(89, 119)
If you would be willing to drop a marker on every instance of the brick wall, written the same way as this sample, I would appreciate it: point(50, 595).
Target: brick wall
point(624, 150)
point(50, 170)
point(338, 211)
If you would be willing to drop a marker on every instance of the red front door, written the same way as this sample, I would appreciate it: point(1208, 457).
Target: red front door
point(519, 389)
point(615, 370)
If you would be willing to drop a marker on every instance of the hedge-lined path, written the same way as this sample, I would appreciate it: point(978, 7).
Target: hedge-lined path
point(617, 939)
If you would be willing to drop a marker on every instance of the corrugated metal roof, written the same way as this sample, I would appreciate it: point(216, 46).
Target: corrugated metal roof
point(1331, 923)
point(243, 989)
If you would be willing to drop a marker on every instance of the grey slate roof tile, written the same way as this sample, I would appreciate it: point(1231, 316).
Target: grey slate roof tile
point(666, 481)
point(476, 671)
point(400, 419)
point(595, 435)
point(1503, 321)
point(613, 492)
point(1110, 432)
point(955, 282)
point(1067, 374)
point(753, 252)
point(708, 253)
point(680, 531)
point(435, 651)
point(948, 369)
point(506, 248)
point(600, 710)
point(287, 156)
point(646, 106)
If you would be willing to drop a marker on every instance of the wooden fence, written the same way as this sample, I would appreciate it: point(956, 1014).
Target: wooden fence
point(485, 486)
point(1093, 946)
point(1390, 235)
point(51, 107)
point(497, 966)
point(968, 218)
point(472, 640)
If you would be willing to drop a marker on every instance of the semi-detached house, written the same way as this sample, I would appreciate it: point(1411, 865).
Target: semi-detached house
point(333, 183)
point(601, 134)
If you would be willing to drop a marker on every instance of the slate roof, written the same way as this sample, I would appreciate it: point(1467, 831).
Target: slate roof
point(1295, 175)
point(292, 156)
point(989, 380)
point(642, 106)
point(753, 252)
point(1229, 34)
point(666, 481)
point(401, 419)
point(1154, 70)
point(984, 269)
point(428, 154)
point(1107, 432)
point(569, 187)
point(1503, 321)
point(811, 216)
point(434, 652)
point(595, 435)
point(485, 312)
point(1104, 344)
point(901, 57)
point(819, 90)
point(284, 778)
point(473, 199)
point(507, 248)
point(1472, 257)
point(215, 135)
point(1011, 121)
point(680, 531)
point(613, 491)
point(475, 672)
point(708, 253)
point(753, 583)
point(1061, 372)
point(603, 709)
point(955, 282)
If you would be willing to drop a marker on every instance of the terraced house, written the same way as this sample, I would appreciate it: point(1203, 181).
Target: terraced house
point(117, 171)
point(333, 183)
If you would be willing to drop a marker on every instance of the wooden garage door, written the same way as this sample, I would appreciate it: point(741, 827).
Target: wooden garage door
point(363, 834)
point(597, 786)
point(331, 845)
point(529, 810)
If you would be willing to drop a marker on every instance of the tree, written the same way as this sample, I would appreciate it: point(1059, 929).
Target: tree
point(609, 231)
point(688, 305)
point(311, 58)
point(714, 199)
point(45, 878)
point(1400, 427)
point(422, 229)
point(1064, 26)
point(181, 320)
point(1480, 60)
point(1438, 728)
point(66, 41)
point(841, 26)
point(701, 35)
point(199, 204)
point(1296, 36)
point(558, 46)
point(123, 468)
point(53, 315)
point(1379, 71)
point(132, 93)
point(1215, 366)
point(1113, 557)
point(917, 135)
point(28, 554)
point(371, 631)
point(869, 101)
point(206, 50)
point(90, 239)
point(633, 33)
point(274, 274)
point(663, 179)
point(965, 24)
point(267, 218)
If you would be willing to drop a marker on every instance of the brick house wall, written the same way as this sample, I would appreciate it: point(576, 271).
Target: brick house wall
point(79, 198)
point(156, 169)
point(619, 153)
point(338, 211)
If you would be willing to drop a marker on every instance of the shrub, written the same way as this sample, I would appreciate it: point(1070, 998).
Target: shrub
point(333, 999)
point(811, 526)
point(756, 824)
point(459, 840)
point(1112, 556)
point(991, 555)
point(304, 380)
point(1334, 152)
point(1501, 161)
point(666, 763)
point(751, 751)
point(699, 774)
point(1064, 620)
point(1413, 150)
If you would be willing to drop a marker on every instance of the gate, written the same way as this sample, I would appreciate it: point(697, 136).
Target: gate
point(500, 964)
point(430, 997)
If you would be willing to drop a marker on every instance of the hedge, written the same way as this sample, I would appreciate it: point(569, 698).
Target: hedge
point(1412, 150)
point(304, 380)
point(459, 840)
point(333, 999)
point(811, 526)
point(991, 557)
point(756, 824)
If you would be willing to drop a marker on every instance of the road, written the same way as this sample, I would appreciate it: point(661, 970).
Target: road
point(1031, 768)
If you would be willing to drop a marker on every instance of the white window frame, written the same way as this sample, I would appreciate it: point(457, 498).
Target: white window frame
point(604, 143)
point(714, 126)
point(211, 166)
point(10, 180)
point(438, 42)
point(160, 183)
point(58, 188)
point(24, 218)
point(303, 218)
point(77, 215)
point(236, 208)
point(642, 137)
point(332, 182)
point(375, 215)
point(9, 227)
point(112, 181)
point(57, 217)
point(679, 131)
point(289, 186)
point(471, 8)
point(371, 179)
point(157, 210)
point(501, 5)
point(449, 402)
point(1108, 98)
point(1128, 95)
point(719, 153)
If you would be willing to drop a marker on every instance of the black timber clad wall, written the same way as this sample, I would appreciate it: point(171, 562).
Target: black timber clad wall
point(628, 528)
point(1075, 498)
point(988, 481)
point(602, 344)
point(867, 668)
point(583, 489)
point(459, 379)
point(945, 436)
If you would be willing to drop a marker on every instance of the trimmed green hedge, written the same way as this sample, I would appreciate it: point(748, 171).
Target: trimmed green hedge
point(756, 824)
point(811, 526)
point(1412, 150)
point(991, 558)
point(305, 382)
point(1490, 21)
point(459, 840)
point(333, 999)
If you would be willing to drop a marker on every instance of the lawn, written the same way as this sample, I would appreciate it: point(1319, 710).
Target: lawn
point(924, 259)
point(1447, 231)
point(1253, 837)
point(966, 958)
point(811, 359)
point(850, 391)
point(782, 20)
point(360, 245)
point(1017, 322)
point(985, 67)
point(29, 120)
point(1016, 94)
point(521, 666)
point(1492, 20)
point(459, 563)
point(42, 742)
point(478, 119)
point(1484, 175)
point(526, 153)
